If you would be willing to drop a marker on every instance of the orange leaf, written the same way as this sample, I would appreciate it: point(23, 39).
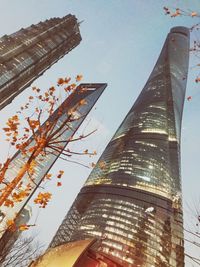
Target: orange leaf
point(193, 14)
point(93, 164)
point(42, 199)
point(102, 165)
point(60, 174)
point(6, 129)
point(48, 176)
point(67, 80)
point(79, 78)
point(23, 227)
point(10, 223)
point(52, 89)
point(9, 203)
point(59, 183)
point(60, 81)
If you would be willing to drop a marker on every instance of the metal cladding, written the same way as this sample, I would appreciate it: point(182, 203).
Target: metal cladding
point(90, 93)
point(131, 201)
point(28, 53)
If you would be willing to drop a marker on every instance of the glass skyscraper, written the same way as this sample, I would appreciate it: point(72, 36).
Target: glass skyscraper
point(131, 202)
point(89, 93)
point(27, 53)
point(10, 236)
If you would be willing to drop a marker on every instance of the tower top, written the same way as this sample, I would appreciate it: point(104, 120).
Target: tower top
point(180, 29)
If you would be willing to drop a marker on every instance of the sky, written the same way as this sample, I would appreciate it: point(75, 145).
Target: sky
point(121, 41)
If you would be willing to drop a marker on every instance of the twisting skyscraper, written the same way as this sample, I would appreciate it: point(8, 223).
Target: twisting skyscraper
point(26, 54)
point(131, 201)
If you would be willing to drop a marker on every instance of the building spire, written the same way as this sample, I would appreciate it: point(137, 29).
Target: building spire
point(80, 22)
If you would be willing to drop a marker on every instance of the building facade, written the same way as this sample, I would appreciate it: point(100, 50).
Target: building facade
point(11, 235)
point(27, 53)
point(131, 201)
point(89, 93)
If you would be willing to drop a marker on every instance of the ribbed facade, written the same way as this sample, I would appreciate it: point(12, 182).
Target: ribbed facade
point(131, 201)
point(26, 54)
point(89, 93)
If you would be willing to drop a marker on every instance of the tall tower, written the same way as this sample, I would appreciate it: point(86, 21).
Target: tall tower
point(26, 54)
point(89, 93)
point(131, 201)
point(9, 238)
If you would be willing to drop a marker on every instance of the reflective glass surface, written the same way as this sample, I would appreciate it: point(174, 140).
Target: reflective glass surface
point(131, 201)
point(26, 54)
point(90, 93)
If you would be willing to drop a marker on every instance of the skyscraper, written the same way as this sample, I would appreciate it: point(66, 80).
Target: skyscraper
point(10, 236)
point(131, 201)
point(26, 54)
point(89, 93)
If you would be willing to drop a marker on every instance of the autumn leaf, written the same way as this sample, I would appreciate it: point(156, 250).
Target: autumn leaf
point(85, 151)
point(79, 78)
point(102, 165)
point(42, 199)
point(167, 12)
point(73, 85)
point(18, 197)
point(52, 89)
point(23, 227)
point(6, 129)
point(48, 176)
point(9, 203)
point(193, 14)
point(68, 89)
point(59, 183)
point(15, 118)
point(60, 174)
point(93, 164)
point(10, 223)
point(26, 129)
point(67, 80)
point(33, 123)
point(60, 81)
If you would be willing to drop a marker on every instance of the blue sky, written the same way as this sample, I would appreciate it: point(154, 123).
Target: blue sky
point(121, 42)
